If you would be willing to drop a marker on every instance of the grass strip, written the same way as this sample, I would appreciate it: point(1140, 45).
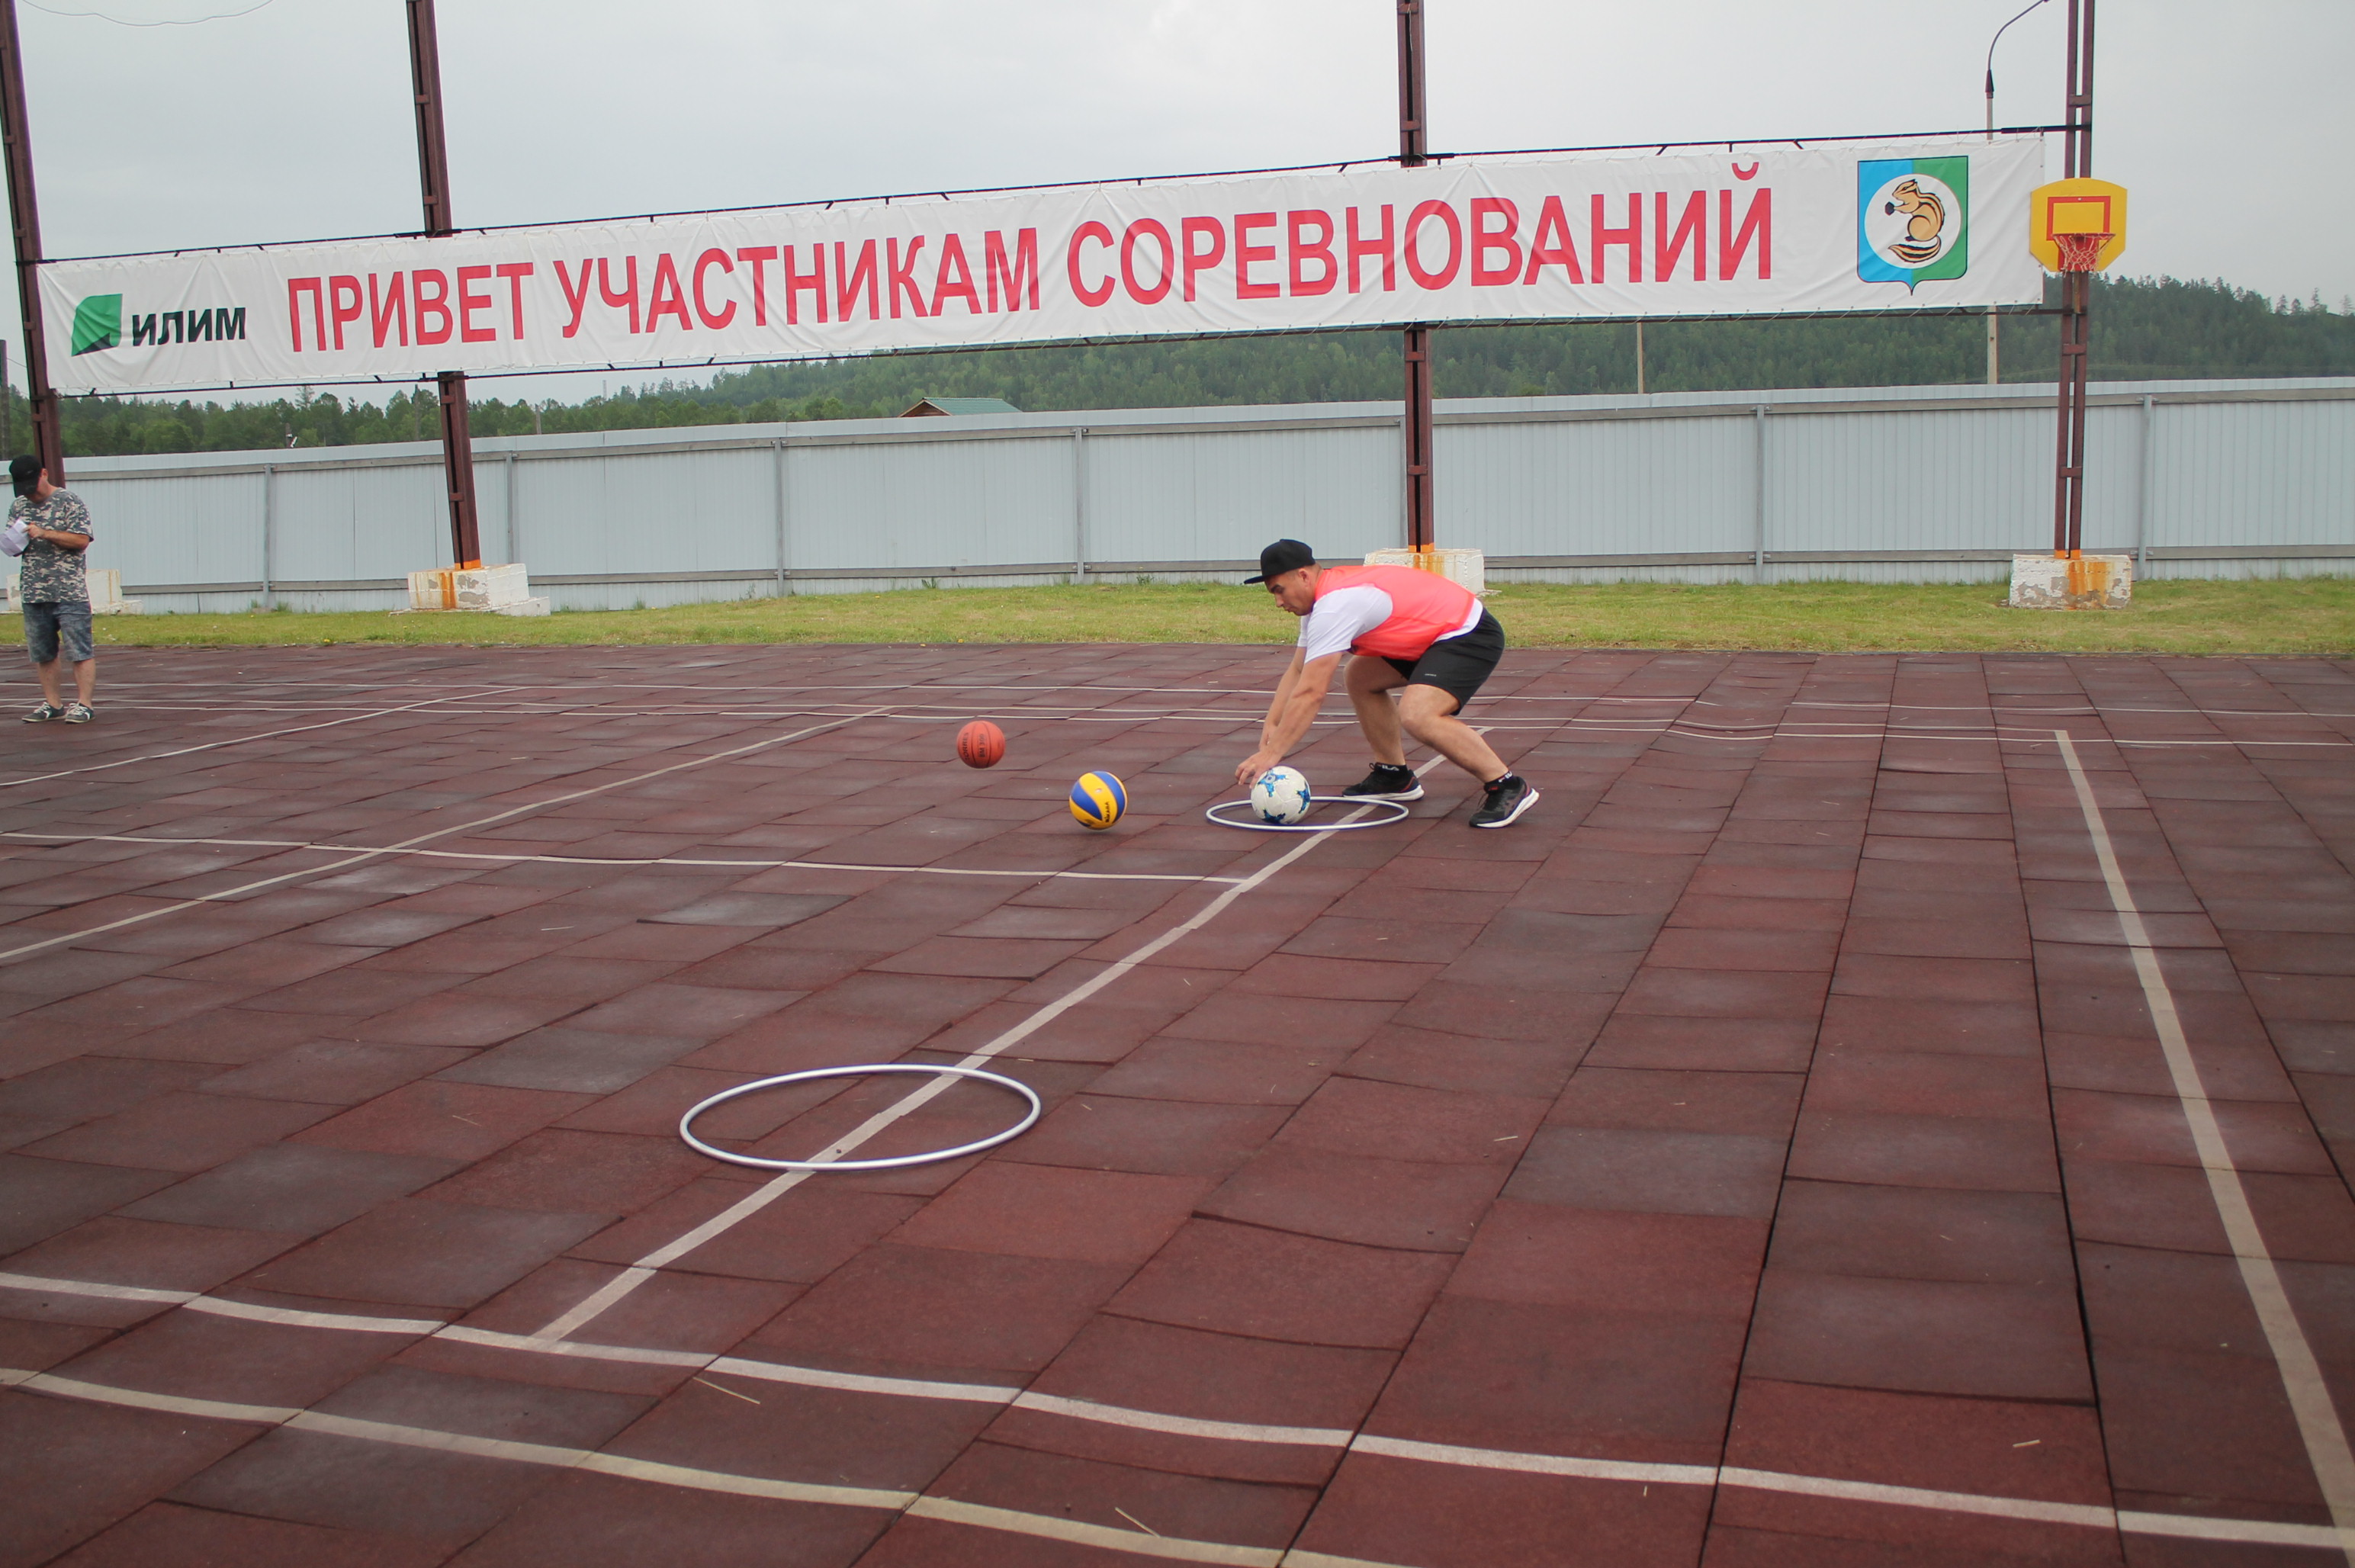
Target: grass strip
point(2311, 616)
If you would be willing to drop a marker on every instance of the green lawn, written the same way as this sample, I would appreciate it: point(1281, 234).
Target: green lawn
point(2306, 616)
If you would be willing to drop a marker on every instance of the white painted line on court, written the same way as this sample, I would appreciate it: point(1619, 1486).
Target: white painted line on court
point(1629, 1470)
point(1110, 1537)
point(2319, 1423)
point(1185, 1425)
point(860, 1383)
point(623, 1284)
point(584, 1350)
point(70, 937)
point(216, 745)
point(292, 1317)
point(515, 858)
point(2033, 1511)
point(94, 1288)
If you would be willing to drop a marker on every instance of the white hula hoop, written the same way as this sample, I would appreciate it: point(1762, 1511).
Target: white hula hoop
point(1397, 807)
point(686, 1123)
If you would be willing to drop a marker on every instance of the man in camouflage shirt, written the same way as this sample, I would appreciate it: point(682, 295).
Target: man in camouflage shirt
point(54, 590)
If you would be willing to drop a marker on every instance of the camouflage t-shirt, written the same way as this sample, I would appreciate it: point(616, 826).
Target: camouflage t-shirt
point(53, 575)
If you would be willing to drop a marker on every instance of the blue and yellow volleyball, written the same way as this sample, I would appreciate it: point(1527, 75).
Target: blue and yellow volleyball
point(1097, 800)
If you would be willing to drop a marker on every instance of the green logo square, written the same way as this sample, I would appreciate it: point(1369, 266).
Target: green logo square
point(98, 323)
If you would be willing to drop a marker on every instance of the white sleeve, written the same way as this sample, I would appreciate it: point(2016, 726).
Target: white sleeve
point(1340, 618)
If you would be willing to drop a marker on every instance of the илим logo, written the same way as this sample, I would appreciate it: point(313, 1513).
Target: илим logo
point(98, 324)
point(1913, 220)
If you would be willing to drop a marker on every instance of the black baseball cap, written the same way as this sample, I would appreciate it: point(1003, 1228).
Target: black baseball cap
point(23, 471)
point(1283, 556)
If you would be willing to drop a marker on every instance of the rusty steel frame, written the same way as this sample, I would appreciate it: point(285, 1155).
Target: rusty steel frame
point(2076, 298)
point(434, 177)
point(1421, 530)
point(24, 226)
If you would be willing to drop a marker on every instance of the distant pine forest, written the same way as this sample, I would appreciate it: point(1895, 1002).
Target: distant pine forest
point(2143, 329)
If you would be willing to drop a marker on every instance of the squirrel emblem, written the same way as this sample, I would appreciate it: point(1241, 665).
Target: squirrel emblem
point(1925, 221)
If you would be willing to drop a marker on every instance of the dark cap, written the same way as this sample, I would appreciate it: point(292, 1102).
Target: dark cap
point(24, 473)
point(1283, 556)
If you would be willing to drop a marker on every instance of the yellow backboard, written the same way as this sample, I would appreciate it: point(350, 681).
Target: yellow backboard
point(2076, 207)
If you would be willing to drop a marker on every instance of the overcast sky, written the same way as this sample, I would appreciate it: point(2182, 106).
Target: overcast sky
point(292, 122)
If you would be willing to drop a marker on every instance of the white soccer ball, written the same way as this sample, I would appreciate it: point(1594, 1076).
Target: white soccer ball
point(1281, 795)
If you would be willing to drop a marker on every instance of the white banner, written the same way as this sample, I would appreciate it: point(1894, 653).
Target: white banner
point(1751, 232)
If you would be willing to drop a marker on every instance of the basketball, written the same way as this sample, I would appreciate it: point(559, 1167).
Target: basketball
point(1281, 795)
point(1097, 800)
point(981, 744)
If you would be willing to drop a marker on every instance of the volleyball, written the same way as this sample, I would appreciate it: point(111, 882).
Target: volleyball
point(1097, 800)
point(1281, 795)
point(981, 744)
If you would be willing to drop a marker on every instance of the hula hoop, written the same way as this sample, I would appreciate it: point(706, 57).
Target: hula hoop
point(1398, 807)
point(686, 1123)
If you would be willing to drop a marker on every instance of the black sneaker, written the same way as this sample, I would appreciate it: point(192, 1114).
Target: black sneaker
point(79, 713)
point(45, 714)
point(1389, 781)
point(1507, 798)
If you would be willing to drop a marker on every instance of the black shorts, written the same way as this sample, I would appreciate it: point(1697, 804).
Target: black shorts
point(1458, 665)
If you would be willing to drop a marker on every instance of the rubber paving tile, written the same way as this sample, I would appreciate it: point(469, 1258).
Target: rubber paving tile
point(1783, 1094)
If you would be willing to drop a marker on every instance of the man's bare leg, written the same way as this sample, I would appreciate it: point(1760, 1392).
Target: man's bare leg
point(86, 680)
point(1429, 715)
point(52, 688)
point(1370, 683)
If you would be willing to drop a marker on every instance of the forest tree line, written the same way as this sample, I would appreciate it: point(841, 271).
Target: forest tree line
point(2143, 329)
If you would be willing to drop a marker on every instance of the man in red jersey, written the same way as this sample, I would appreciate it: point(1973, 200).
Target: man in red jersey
point(1416, 631)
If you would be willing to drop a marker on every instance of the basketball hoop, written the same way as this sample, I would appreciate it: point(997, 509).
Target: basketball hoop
point(2080, 252)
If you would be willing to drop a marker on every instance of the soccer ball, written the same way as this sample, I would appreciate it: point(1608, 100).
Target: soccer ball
point(1281, 795)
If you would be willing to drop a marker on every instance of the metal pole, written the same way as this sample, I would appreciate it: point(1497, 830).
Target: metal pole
point(784, 558)
point(1422, 528)
point(268, 537)
point(2077, 296)
point(2142, 490)
point(25, 224)
point(1079, 503)
point(1758, 482)
point(433, 176)
point(514, 534)
point(1639, 359)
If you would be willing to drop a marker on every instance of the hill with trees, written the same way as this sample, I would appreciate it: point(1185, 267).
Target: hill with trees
point(2143, 329)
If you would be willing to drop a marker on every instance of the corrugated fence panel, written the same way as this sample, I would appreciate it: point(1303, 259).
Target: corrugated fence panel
point(658, 512)
point(1866, 482)
point(2284, 472)
point(2214, 479)
point(1619, 486)
point(340, 524)
point(1221, 494)
point(990, 502)
point(181, 530)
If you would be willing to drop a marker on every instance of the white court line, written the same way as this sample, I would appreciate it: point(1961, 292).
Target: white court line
point(214, 745)
point(73, 936)
point(2092, 1516)
point(638, 1272)
point(2319, 1424)
point(509, 858)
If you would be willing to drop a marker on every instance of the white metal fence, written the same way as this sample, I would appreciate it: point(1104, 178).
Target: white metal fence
point(1909, 484)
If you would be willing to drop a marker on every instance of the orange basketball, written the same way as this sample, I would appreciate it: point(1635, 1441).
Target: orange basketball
point(981, 744)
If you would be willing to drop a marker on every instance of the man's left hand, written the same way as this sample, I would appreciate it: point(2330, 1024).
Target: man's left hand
point(1248, 770)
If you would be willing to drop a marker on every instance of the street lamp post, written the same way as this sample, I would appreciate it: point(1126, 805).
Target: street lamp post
point(1993, 373)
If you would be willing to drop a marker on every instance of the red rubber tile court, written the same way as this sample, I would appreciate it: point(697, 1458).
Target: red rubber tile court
point(1875, 1110)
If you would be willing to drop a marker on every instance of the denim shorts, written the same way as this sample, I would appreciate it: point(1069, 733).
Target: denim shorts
point(46, 624)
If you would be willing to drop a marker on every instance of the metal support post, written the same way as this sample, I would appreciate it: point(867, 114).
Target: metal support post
point(1421, 528)
point(2076, 297)
point(269, 536)
point(1758, 485)
point(434, 177)
point(25, 225)
point(1079, 503)
point(785, 541)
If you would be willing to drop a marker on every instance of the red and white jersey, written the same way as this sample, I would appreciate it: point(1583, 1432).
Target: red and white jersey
point(1395, 612)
